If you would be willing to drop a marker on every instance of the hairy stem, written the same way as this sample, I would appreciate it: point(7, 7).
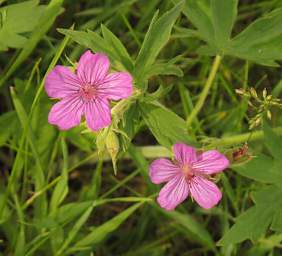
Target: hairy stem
point(151, 152)
point(240, 138)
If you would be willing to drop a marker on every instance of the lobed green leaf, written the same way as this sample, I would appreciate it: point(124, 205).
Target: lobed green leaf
point(156, 37)
point(167, 127)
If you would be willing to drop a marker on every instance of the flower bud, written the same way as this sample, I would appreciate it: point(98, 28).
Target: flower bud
point(253, 92)
point(251, 104)
point(112, 144)
point(101, 141)
point(240, 91)
point(257, 122)
point(264, 93)
point(268, 113)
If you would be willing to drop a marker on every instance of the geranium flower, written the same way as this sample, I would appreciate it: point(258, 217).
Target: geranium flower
point(188, 173)
point(86, 92)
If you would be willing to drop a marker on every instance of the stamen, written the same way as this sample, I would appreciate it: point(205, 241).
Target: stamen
point(88, 92)
point(187, 171)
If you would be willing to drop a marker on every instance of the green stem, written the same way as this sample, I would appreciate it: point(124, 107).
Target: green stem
point(40, 192)
point(121, 183)
point(240, 138)
point(205, 91)
point(151, 152)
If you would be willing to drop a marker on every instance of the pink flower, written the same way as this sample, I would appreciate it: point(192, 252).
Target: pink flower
point(86, 92)
point(188, 174)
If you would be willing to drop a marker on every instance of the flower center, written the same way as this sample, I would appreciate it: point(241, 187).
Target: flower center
point(187, 171)
point(88, 92)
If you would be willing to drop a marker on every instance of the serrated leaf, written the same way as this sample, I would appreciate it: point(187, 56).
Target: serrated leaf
point(251, 224)
point(260, 168)
point(165, 69)
point(224, 14)
point(52, 10)
point(81, 37)
point(185, 33)
point(17, 19)
point(96, 43)
point(117, 47)
point(260, 42)
point(156, 37)
point(260, 31)
point(199, 13)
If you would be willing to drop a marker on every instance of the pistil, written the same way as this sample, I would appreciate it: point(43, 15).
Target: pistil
point(88, 92)
point(187, 171)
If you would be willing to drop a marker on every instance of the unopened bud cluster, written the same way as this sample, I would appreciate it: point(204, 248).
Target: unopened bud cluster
point(260, 104)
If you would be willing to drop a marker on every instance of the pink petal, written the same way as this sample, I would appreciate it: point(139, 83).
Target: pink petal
point(97, 114)
point(67, 112)
point(116, 86)
point(92, 68)
point(184, 154)
point(173, 193)
point(205, 192)
point(162, 170)
point(210, 162)
point(61, 82)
